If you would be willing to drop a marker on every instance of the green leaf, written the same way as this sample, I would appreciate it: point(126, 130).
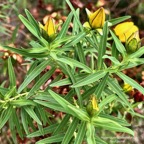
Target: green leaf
point(17, 122)
point(37, 50)
point(3, 90)
point(76, 39)
point(52, 139)
point(33, 21)
point(41, 81)
point(14, 34)
point(34, 74)
point(43, 114)
point(73, 79)
point(51, 105)
point(90, 134)
point(80, 52)
point(29, 26)
point(102, 46)
point(110, 125)
point(65, 27)
point(76, 29)
point(138, 53)
point(62, 124)
point(73, 110)
point(130, 81)
point(118, 90)
point(67, 81)
point(81, 133)
point(32, 114)
point(90, 79)
point(5, 115)
point(75, 14)
point(11, 73)
point(62, 82)
point(115, 52)
point(113, 59)
point(106, 101)
point(89, 92)
point(118, 20)
point(10, 93)
point(23, 102)
point(118, 44)
point(13, 130)
point(46, 130)
point(24, 52)
point(121, 121)
point(101, 86)
point(61, 101)
point(79, 113)
point(70, 132)
point(73, 63)
point(24, 120)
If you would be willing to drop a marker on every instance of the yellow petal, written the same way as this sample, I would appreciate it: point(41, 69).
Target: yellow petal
point(88, 12)
point(50, 27)
point(125, 30)
point(97, 18)
point(94, 103)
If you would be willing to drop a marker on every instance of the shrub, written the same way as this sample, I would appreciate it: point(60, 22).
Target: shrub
point(81, 56)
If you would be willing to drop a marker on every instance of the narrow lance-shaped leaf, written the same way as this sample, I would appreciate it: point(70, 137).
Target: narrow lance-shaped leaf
point(5, 115)
point(138, 53)
point(75, 14)
point(46, 130)
point(118, 90)
point(102, 47)
point(11, 72)
point(62, 124)
point(110, 125)
point(32, 114)
point(53, 139)
point(90, 79)
point(33, 21)
point(81, 133)
point(24, 120)
point(33, 74)
point(41, 81)
point(118, 20)
point(131, 82)
point(29, 26)
point(101, 86)
point(118, 44)
point(24, 52)
point(90, 134)
point(65, 26)
point(70, 131)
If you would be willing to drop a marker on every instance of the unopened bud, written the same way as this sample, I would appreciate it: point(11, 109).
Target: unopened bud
point(92, 107)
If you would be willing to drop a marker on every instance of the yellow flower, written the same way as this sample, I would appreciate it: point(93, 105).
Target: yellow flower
point(49, 29)
point(127, 87)
point(125, 30)
point(96, 19)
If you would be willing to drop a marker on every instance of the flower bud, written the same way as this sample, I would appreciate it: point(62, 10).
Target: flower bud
point(96, 19)
point(48, 30)
point(133, 43)
point(92, 107)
